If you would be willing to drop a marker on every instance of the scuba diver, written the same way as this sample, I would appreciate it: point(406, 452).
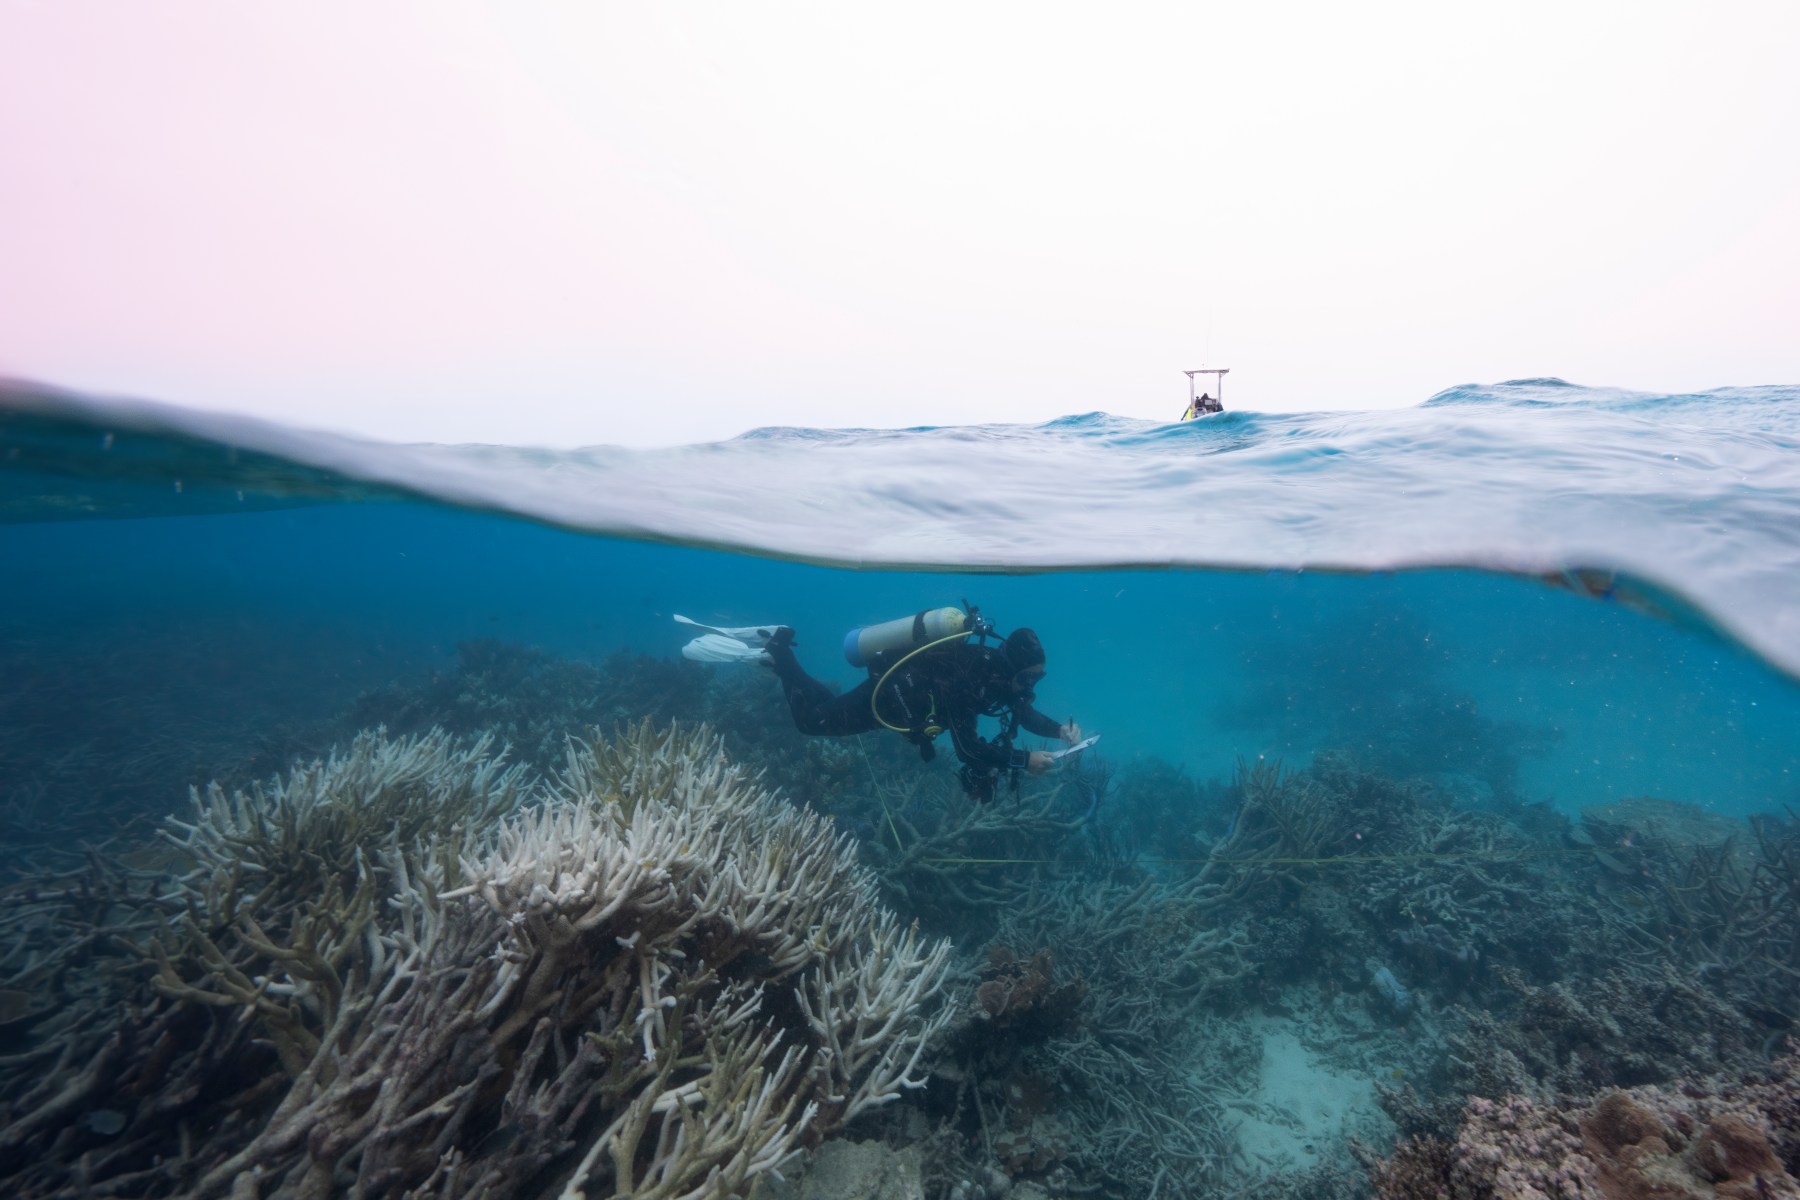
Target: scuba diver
point(925, 677)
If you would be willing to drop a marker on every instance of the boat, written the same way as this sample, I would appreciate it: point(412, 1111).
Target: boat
point(1202, 404)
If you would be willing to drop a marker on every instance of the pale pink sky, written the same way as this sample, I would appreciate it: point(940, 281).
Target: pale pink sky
point(582, 222)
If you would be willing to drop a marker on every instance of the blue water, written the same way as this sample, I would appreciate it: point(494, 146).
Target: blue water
point(1682, 507)
point(1196, 667)
point(1530, 597)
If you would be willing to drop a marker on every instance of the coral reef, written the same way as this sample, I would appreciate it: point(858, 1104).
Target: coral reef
point(846, 1170)
point(1625, 1028)
point(1157, 805)
point(1089, 1054)
point(1687, 885)
point(404, 969)
point(1731, 1140)
point(620, 966)
point(530, 700)
point(963, 865)
point(1015, 990)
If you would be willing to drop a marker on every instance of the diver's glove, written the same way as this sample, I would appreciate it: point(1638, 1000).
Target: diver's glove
point(778, 652)
point(1034, 762)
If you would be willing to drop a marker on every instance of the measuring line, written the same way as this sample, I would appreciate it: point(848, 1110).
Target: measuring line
point(878, 797)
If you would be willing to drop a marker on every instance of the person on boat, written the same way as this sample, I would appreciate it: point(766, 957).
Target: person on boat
point(944, 688)
point(1200, 406)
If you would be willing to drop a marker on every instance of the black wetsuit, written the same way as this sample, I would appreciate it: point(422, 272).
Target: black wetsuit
point(944, 689)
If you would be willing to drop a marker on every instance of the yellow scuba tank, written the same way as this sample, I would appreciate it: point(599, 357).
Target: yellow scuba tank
point(862, 644)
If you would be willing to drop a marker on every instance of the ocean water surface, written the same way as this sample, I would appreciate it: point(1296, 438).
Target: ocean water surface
point(1444, 753)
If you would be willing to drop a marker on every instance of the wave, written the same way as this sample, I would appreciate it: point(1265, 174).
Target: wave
point(1685, 505)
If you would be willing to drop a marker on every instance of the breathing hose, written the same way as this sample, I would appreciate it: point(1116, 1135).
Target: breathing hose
point(876, 694)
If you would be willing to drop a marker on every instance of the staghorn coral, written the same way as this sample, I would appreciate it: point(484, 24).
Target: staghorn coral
point(1283, 819)
point(654, 979)
point(1156, 806)
point(967, 864)
point(658, 844)
point(1135, 1084)
point(1683, 882)
point(1625, 1028)
point(298, 831)
point(264, 957)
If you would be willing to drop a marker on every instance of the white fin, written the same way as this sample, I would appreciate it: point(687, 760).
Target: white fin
point(716, 647)
point(753, 635)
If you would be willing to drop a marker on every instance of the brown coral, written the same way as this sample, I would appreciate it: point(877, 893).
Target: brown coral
point(1701, 1141)
point(1014, 988)
point(1736, 1153)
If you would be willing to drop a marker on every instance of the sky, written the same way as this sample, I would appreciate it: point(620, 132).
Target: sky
point(569, 223)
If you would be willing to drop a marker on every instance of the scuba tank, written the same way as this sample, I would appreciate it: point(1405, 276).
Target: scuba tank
point(887, 647)
point(903, 634)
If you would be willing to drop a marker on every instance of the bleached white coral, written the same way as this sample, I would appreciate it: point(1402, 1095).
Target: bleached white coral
point(654, 848)
point(379, 789)
point(665, 971)
point(869, 1004)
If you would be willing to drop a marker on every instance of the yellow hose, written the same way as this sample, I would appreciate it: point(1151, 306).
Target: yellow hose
point(882, 682)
